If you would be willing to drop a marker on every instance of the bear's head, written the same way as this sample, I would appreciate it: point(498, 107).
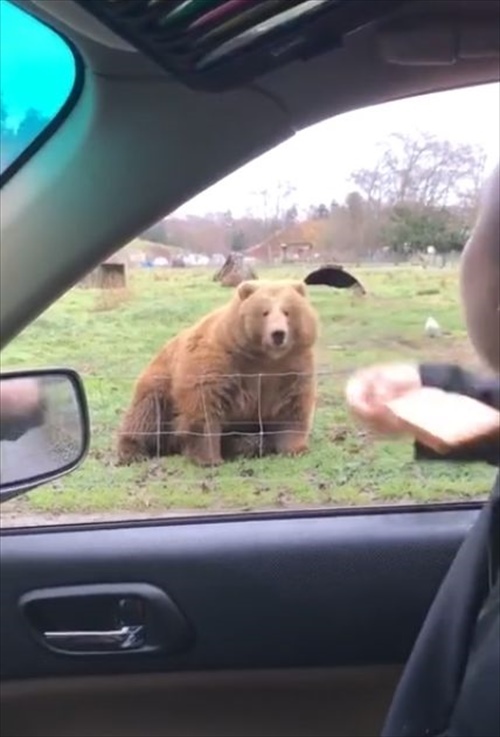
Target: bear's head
point(275, 318)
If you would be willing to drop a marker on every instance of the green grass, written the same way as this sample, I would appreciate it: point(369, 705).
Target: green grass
point(110, 337)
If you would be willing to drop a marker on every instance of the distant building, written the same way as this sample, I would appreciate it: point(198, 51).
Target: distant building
point(160, 261)
point(289, 244)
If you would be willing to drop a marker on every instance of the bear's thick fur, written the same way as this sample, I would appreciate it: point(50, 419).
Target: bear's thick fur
point(245, 367)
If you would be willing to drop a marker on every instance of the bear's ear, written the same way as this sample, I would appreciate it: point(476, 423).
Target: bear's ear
point(301, 288)
point(247, 288)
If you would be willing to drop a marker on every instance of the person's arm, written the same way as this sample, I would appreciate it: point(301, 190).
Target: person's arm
point(21, 408)
point(452, 378)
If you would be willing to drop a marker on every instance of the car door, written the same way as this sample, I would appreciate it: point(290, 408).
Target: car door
point(287, 619)
point(273, 625)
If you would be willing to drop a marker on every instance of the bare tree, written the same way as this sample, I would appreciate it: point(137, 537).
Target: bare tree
point(273, 204)
point(422, 170)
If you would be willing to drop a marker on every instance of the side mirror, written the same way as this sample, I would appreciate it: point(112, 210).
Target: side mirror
point(44, 428)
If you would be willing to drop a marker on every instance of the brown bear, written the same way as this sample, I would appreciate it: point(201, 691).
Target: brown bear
point(245, 367)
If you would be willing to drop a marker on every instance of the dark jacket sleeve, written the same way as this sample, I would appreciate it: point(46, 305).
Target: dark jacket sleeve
point(452, 378)
point(450, 685)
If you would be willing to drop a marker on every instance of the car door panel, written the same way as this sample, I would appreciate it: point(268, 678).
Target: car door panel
point(344, 702)
point(314, 591)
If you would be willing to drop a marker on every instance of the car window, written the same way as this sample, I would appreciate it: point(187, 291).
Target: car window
point(388, 193)
point(38, 75)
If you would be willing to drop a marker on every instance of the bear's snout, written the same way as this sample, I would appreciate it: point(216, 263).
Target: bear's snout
point(276, 333)
point(278, 337)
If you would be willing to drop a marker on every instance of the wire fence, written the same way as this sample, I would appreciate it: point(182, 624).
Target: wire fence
point(344, 465)
point(255, 406)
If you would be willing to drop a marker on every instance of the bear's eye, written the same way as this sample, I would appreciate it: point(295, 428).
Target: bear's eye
point(265, 313)
point(286, 313)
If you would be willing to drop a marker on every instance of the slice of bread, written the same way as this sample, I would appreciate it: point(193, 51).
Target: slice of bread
point(444, 420)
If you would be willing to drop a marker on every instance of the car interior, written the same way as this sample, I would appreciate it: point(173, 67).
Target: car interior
point(274, 624)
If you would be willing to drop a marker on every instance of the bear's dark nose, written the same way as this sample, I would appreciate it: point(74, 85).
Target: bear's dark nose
point(278, 337)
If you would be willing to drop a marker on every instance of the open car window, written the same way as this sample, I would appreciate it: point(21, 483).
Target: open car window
point(389, 194)
point(39, 79)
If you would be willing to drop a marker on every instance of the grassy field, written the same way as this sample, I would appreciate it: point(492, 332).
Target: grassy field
point(110, 336)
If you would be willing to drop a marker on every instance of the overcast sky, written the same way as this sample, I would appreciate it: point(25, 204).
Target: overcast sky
point(319, 160)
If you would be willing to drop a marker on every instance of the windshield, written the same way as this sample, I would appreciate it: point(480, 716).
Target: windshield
point(37, 75)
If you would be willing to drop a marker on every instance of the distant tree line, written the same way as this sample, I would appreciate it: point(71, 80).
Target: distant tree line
point(422, 191)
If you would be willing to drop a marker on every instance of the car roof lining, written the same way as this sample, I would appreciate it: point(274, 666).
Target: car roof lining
point(75, 201)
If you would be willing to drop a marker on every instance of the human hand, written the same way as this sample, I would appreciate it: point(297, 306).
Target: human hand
point(21, 406)
point(369, 390)
point(19, 397)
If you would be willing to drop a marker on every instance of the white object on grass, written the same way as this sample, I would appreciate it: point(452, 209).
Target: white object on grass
point(432, 328)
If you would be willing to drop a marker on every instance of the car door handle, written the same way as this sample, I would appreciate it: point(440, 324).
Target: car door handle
point(128, 637)
point(106, 619)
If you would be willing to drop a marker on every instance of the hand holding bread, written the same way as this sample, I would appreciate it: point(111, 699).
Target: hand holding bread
point(370, 389)
point(391, 400)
